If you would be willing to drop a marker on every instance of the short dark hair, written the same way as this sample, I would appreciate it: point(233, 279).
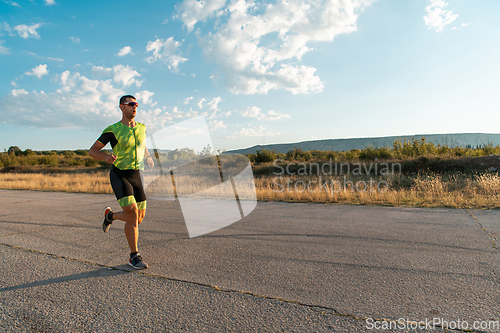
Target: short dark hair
point(123, 99)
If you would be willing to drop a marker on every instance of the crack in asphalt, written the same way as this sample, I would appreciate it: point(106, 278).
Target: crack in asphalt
point(493, 238)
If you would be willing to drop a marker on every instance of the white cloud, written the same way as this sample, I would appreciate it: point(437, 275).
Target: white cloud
point(193, 11)
point(79, 102)
point(216, 124)
point(437, 17)
point(254, 112)
point(213, 107)
point(124, 51)
point(188, 100)
point(75, 40)
point(50, 2)
point(253, 132)
point(12, 3)
point(38, 71)
point(18, 92)
point(213, 104)
point(273, 115)
point(176, 113)
point(190, 114)
point(126, 75)
point(463, 25)
point(145, 97)
point(3, 49)
point(40, 57)
point(160, 117)
point(26, 31)
point(256, 47)
point(166, 51)
point(100, 72)
point(251, 112)
point(200, 103)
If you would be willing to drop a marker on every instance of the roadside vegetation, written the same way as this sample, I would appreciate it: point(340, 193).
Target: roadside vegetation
point(413, 173)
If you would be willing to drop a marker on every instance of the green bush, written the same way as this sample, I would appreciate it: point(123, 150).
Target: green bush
point(489, 149)
point(264, 156)
point(352, 154)
point(49, 160)
point(104, 164)
point(90, 162)
point(29, 152)
point(76, 161)
point(69, 153)
point(81, 152)
point(9, 159)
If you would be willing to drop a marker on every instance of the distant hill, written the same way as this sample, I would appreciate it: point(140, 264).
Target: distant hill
point(472, 140)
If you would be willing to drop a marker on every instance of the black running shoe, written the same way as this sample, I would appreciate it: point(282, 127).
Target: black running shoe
point(106, 223)
point(137, 262)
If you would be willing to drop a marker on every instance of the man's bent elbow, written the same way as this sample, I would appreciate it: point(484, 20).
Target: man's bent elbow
point(95, 152)
point(92, 153)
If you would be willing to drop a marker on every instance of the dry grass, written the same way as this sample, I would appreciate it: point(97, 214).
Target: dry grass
point(479, 191)
point(476, 191)
point(62, 182)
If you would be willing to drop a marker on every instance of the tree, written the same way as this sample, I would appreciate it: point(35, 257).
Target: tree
point(15, 150)
point(28, 152)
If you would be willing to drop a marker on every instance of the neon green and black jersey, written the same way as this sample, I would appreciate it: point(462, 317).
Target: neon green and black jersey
point(128, 144)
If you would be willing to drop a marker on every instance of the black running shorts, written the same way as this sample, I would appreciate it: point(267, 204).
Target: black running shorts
point(128, 188)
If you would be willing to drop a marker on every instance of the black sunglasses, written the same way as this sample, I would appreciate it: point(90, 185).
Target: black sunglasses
point(131, 104)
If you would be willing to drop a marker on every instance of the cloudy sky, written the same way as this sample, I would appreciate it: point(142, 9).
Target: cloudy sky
point(260, 72)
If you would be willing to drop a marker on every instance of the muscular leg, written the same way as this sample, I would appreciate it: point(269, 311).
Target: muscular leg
point(130, 215)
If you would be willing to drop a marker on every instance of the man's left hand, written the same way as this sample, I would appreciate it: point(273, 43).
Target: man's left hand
point(151, 163)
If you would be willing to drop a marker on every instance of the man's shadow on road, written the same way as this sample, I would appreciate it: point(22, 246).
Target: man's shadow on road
point(102, 272)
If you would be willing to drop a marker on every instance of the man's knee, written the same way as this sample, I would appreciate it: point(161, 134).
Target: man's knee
point(132, 212)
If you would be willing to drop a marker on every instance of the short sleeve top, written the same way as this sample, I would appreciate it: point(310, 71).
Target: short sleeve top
point(128, 144)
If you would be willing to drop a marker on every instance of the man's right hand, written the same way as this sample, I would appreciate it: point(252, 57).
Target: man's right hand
point(111, 158)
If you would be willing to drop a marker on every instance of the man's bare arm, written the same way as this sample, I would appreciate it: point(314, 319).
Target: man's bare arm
point(149, 160)
point(96, 153)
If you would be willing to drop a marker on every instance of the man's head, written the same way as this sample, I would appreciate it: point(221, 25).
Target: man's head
point(124, 99)
point(128, 105)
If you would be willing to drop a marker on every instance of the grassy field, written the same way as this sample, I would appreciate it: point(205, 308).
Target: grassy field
point(478, 191)
point(64, 182)
point(415, 174)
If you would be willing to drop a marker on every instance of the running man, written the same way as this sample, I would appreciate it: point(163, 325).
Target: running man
point(128, 140)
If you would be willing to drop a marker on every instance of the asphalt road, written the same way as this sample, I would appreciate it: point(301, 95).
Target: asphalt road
point(283, 268)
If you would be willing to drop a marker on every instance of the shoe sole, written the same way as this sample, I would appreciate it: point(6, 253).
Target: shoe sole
point(105, 227)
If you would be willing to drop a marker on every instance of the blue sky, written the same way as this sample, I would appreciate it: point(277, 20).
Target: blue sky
point(260, 72)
